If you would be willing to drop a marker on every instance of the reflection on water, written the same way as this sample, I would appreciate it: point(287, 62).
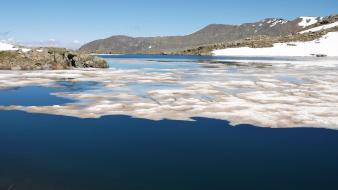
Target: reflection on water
point(69, 86)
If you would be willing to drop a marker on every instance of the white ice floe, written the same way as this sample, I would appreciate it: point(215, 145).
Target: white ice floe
point(281, 93)
point(327, 45)
point(307, 21)
point(323, 27)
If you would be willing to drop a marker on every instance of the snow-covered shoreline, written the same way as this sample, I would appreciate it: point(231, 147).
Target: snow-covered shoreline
point(324, 46)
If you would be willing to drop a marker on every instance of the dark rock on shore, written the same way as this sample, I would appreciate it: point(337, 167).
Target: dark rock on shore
point(48, 59)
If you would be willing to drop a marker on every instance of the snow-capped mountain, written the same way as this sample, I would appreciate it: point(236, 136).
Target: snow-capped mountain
point(211, 34)
point(319, 38)
point(214, 33)
point(311, 36)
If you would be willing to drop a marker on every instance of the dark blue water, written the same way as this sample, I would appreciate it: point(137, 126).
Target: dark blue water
point(31, 96)
point(118, 152)
point(47, 152)
point(43, 96)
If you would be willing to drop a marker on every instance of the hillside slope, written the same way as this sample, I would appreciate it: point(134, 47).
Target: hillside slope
point(211, 34)
point(309, 39)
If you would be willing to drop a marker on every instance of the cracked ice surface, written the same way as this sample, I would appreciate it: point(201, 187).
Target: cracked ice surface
point(278, 94)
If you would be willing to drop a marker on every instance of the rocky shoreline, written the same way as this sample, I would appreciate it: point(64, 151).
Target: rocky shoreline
point(48, 59)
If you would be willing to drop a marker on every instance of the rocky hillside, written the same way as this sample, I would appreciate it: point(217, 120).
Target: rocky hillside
point(14, 58)
point(209, 35)
point(312, 31)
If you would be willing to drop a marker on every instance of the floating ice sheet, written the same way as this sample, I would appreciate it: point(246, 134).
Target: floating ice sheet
point(276, 94)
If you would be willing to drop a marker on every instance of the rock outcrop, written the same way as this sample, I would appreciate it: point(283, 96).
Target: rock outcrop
point(48, 59)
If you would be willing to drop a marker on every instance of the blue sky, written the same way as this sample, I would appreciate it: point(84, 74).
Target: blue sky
point(86, 20)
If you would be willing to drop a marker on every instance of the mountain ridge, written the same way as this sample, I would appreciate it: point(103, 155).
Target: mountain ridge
point(213, 33)
point(313, 31)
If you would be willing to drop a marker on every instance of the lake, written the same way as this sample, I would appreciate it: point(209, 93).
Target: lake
point(172, 122)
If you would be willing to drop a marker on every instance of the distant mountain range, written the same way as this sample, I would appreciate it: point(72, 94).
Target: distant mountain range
point(214, 33)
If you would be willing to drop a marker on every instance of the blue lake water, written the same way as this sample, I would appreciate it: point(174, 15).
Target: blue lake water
point(42, 96)
point(48, 152)
point(30, 96)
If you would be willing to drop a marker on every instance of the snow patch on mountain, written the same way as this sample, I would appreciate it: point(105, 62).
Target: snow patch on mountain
point(323, 27)
point(10, 47)
point(7, 47)
point(326, 45)
point(278, 21)
point(271, 22)
point(307, 21)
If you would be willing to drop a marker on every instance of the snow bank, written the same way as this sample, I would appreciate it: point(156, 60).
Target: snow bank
point(327, 45)
point(7, 47)
point(25, 50)
point(307, 21)
point(323, 27)
point(10, 47)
